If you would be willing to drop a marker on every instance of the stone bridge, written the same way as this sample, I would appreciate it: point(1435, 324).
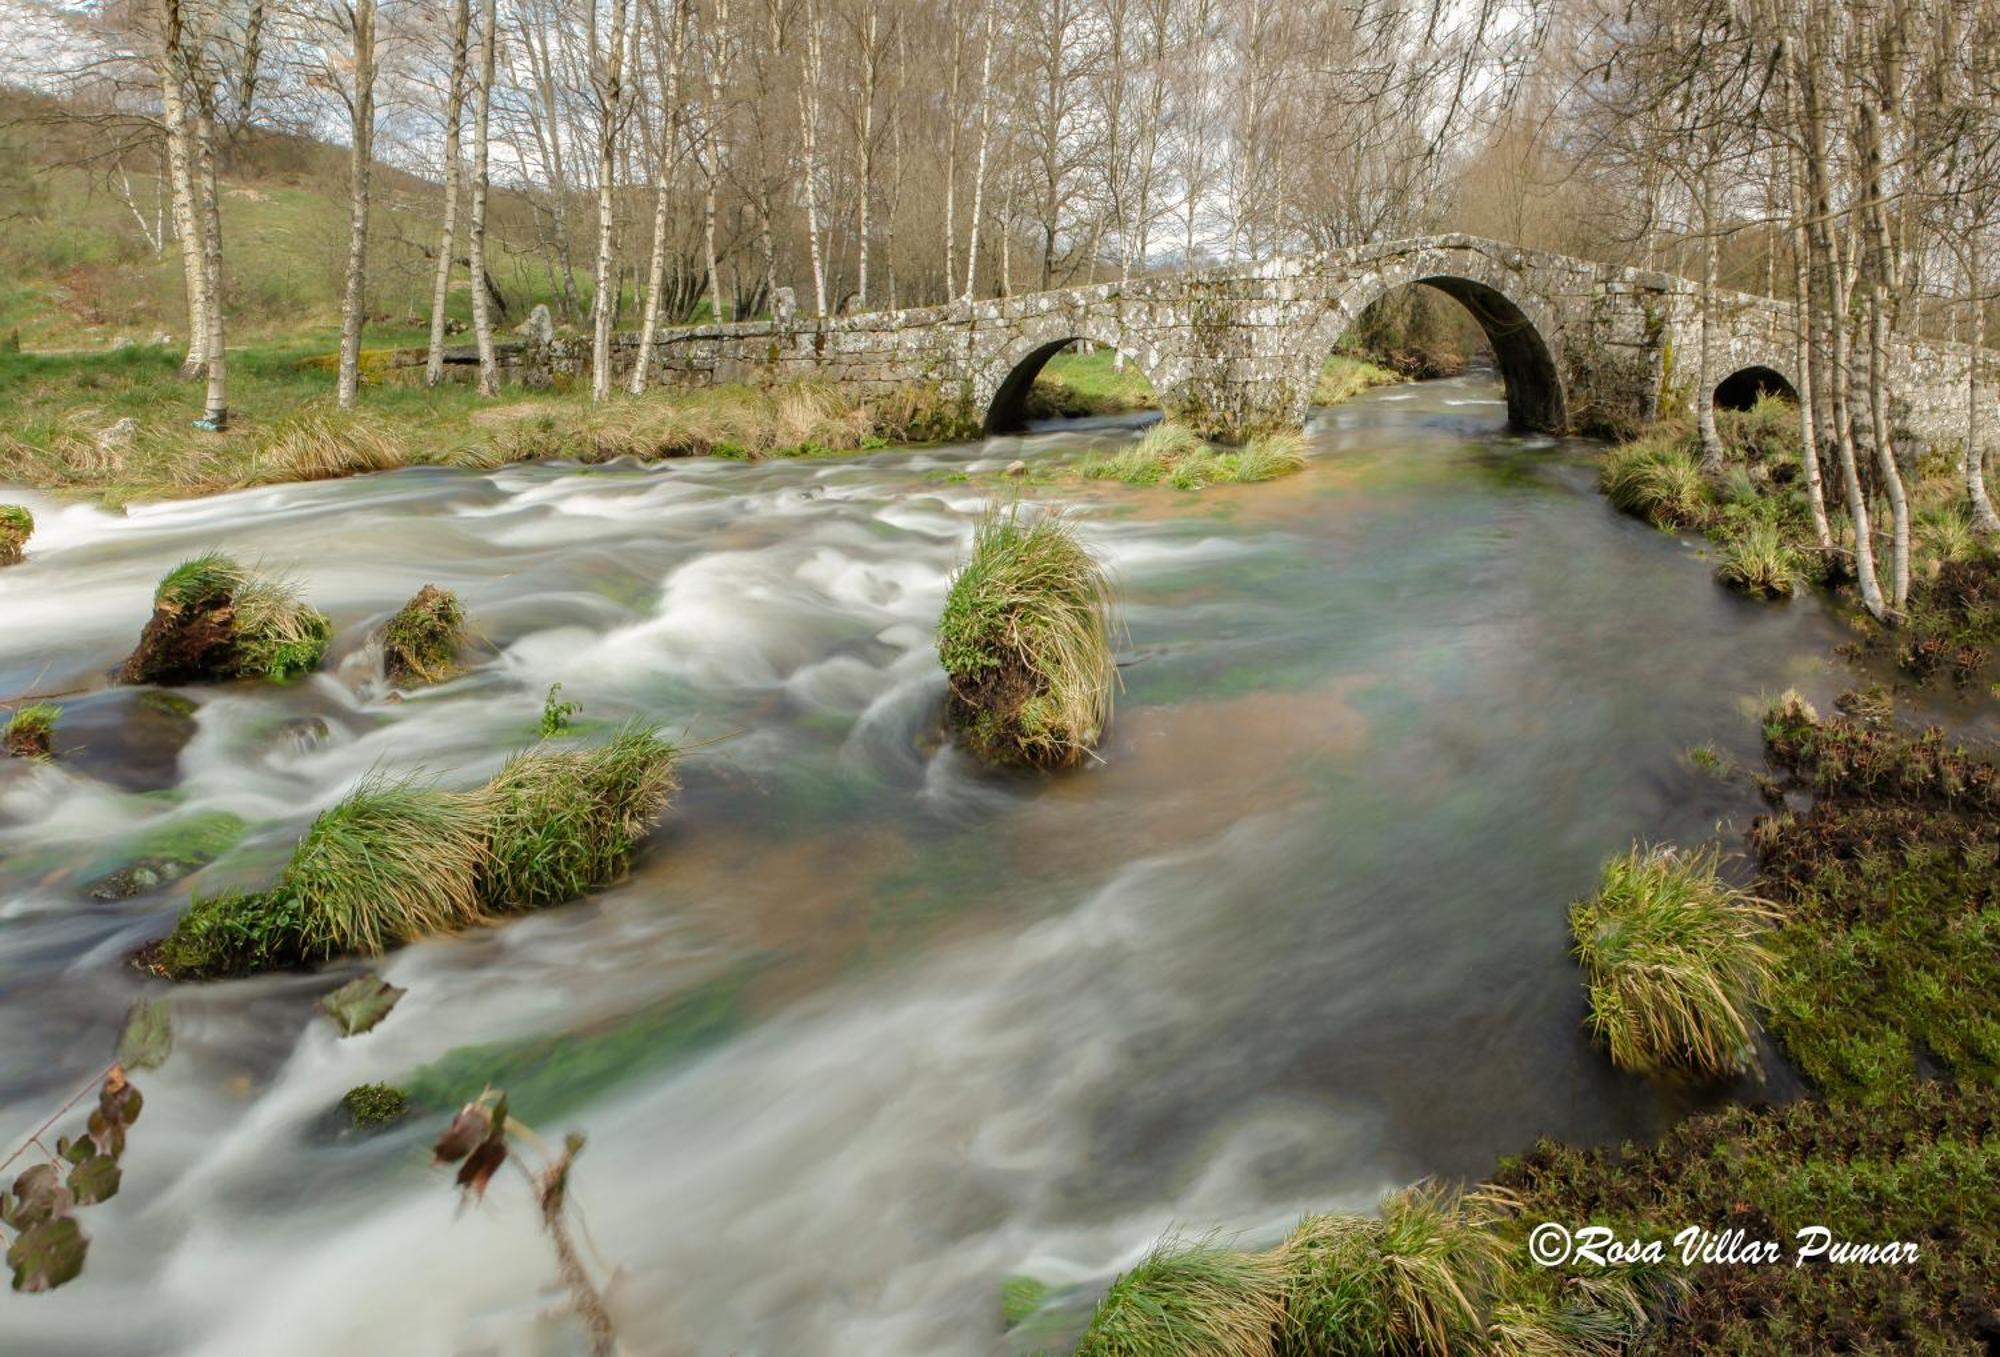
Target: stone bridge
point(1583, 347)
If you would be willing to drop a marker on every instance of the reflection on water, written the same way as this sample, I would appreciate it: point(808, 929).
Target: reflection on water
point(868, 1029)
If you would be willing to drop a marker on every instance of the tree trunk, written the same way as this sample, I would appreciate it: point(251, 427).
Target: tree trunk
point(461, 21)
point(979, 161)
point(1704, 396)
point(180, 173)
point(809, 87)
point(717, 60)
point(656, 268)
point(475, 245)
point(1983, 518)
point(354, 296)
point(215, 411)
point(870, 76)
point(610, 107)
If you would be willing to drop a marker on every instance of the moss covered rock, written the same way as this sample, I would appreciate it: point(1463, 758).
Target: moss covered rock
point(420, 643)
point(215, 619)
point(16, 526)
point(30, 732)
point(1025, 641)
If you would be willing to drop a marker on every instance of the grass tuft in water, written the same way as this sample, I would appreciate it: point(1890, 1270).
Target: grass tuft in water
point(1190, 1300)
point(30, 732)
point(1675, 961)
point(1025, 639)
point(1760, 562)
point(563, 822)
point(213, 618)
point(1659, 480)
point(420, 643)
point(17, 525)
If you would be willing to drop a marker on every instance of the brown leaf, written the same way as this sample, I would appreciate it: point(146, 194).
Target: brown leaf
point(360, 1004)
point(471, 1128)
point(480, 1166)
point(96, 1179)
point(48, 1255)
point(38, 1196)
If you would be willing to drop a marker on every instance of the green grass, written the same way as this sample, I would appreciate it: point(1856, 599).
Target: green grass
point(1343, 377)
point(557, 715)
point(398, 860)
point(30, 730)
point(1675, 961)
point(1190, 1300)
point(1659, 480)
point(1072, 384)
point(420, 643)
point(1025, 639)
point(215, 618)
point(17, 525)
point(1172, 454)
point(563, 822)
point(1759, 561)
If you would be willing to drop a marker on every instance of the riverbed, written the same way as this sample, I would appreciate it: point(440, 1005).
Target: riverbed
point(870, 1030)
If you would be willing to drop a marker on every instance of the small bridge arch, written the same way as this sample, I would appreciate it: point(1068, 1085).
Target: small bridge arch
point(1022, 360)
point(1523, 329)
point(1740, 389)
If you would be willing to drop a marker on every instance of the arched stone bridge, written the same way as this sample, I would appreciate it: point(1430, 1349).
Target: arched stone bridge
point(1583, 347)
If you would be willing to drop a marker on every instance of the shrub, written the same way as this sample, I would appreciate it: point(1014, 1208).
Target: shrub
point(319, 445)
point(1675, 962)
point(31, 730)
point(1190, 1300)
point(214, 619)
point(17, 525)
point(420, 643)
point(1759, 561)
point(1025, 641)
point(562, 822)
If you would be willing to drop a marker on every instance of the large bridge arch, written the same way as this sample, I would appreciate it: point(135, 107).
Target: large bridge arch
point(1523, 328)
point(1014, 369)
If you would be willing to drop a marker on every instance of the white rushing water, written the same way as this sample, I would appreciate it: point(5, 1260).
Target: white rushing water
point(869, 1030)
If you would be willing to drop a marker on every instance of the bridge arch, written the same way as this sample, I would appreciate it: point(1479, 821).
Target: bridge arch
point(1012, 373)
point(1740, 389)
point(1522, 327)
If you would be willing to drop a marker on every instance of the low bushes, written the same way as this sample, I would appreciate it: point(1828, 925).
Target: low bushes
point(17, 525)
point(420, 643)
point(399, 860)
point(215, 619)
point(1025, 641)
point(1675, 961)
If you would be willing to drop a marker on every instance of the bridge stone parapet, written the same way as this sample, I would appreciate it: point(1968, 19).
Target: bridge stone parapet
point(1583, 347)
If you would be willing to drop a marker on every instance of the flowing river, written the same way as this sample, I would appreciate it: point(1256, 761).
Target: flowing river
point(870, 1030)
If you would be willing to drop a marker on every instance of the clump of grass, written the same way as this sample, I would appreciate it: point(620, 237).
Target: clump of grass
point(1760, 562)
point(420, 643)
point(371, 1106)
point(1163, 450)
point(1675, 960)
point(1659, 480)
point(1025, 641)
point(30, 732)
point(321, 444)
point(17, 525)
point(215, 619)
point(1269, 456)
point(1342, 377)
point(398, 860)
point(562, 822)
point(1945, 537)
point(1190, 1300)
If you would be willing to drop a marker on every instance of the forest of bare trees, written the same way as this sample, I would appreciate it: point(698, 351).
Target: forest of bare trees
point(690, 159)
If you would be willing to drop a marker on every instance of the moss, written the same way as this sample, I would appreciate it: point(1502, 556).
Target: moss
point(420, 643)
point(17, 525)
point(168, 852)
point(548, 1076)
point(370, 1107)
point(1020, 1297)
point(30, 732)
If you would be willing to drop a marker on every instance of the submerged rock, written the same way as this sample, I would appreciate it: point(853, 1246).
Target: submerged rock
point(17, 525)
point(30, 733)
